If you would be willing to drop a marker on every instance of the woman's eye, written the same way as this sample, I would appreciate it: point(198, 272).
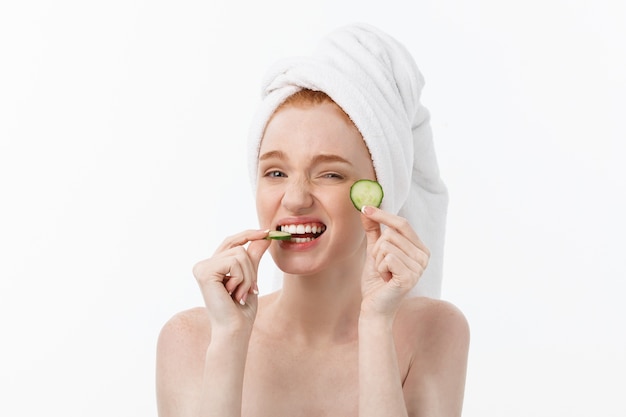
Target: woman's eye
point(274, 174)
point(332, 175)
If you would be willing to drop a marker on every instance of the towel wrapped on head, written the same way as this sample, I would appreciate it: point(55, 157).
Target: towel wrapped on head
point(375, 80)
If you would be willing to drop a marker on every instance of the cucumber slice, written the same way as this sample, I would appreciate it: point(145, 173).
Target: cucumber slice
point(366, 193)
point(278, 235)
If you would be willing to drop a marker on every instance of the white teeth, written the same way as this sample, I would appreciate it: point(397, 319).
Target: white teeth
point(299, 229)
point(290, 229)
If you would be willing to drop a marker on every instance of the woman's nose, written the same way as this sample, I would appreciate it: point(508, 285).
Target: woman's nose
point(297, 196)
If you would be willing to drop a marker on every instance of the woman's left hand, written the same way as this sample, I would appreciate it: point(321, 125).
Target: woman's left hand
point(396, 259)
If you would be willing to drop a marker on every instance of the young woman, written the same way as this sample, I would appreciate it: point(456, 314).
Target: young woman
point(344, 335)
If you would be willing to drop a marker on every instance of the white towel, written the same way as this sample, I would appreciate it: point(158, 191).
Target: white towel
point(375, 80)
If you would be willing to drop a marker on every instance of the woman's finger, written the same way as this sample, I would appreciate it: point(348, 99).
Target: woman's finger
point(256, 249)
point(397, 223)
point(249, 273)
point(241, 239)
point(371, 226)
point(235, 276)
point(391, 241)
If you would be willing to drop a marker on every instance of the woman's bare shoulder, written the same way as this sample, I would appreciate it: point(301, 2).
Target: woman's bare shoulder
point(187, 331)
point(187, 320)
point(434, 335)
point(181, 348)
point(432, 322)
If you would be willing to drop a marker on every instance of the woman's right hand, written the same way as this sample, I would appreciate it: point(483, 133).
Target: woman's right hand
point(228, 280)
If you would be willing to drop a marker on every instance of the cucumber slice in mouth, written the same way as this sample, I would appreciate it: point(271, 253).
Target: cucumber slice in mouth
point(366, 193)
point(278, 235)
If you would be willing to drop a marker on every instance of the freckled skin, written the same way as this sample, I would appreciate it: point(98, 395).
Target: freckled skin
point(304, 191)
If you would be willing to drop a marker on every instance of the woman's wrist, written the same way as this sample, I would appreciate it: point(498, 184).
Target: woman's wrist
point(376, 320)
point(230, 335)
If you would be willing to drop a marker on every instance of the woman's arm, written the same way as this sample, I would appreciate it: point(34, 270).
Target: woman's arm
point(223, 375)
point(395, 260)
point(438, 337)
point(199, 372)
point(380, 383)
point(201, 354)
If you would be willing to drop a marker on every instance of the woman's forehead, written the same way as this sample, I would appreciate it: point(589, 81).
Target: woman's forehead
point(319, 129)
point(310, 124)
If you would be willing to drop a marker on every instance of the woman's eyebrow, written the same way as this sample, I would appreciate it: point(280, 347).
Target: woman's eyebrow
point(330, 158)
point(316, 159)
point(272, 154)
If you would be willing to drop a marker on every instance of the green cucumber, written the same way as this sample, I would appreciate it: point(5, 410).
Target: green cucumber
point(278, 235)
point(366, 193)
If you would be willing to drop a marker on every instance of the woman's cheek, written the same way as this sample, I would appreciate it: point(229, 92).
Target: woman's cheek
point(268, 200)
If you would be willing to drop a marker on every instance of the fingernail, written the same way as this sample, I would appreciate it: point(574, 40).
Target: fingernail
point(255, 291)
point(367, 210)
point(242, 302)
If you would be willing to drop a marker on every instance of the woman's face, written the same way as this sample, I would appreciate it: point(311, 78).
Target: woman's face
point(310, 155)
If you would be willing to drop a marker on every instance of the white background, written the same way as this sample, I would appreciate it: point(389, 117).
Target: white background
point(123, 127)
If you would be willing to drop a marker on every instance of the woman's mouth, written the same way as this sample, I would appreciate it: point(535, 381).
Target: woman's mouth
point(304, 232)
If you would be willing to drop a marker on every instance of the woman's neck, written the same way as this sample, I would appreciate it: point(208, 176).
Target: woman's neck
point(319, 309)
